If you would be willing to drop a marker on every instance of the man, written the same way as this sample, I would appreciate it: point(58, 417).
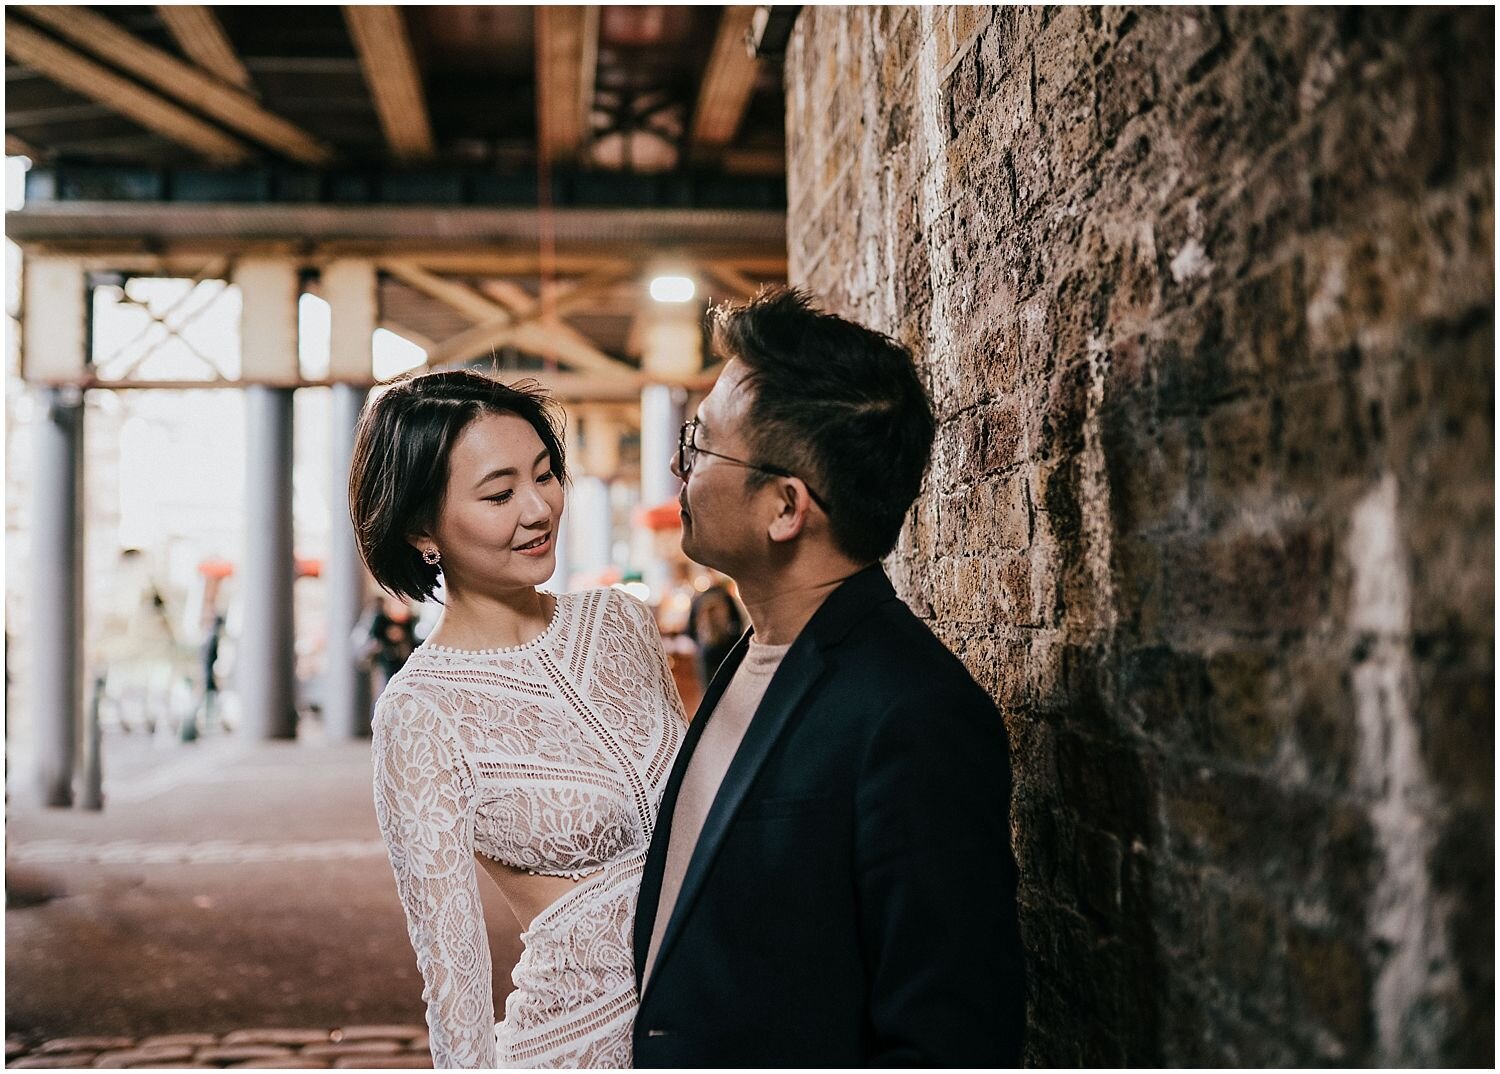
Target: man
point(831, 881)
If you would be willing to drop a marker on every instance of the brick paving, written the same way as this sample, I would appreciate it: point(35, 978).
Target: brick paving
point(231, 906)
point(379, 1047)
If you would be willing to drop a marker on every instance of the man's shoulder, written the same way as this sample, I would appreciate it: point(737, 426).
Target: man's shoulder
point(896, 654)
point(898, 694)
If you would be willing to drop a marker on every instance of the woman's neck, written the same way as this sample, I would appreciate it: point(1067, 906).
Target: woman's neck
point(498, 620)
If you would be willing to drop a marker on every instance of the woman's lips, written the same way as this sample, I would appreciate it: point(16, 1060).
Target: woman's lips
point(539, 550)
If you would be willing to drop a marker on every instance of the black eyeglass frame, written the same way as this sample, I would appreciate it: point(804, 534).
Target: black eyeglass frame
point(688, 450)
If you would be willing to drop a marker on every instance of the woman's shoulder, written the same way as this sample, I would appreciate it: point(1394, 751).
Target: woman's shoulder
point(410, 703)
point(613, 604)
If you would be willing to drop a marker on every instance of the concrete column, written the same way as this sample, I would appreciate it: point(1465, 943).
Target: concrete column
point(671, 351)
point(265, 673)
point(56, 569)
point(54, 350)
point(589, 511)
point(350, 287)
point(593, 534)
point(346, 688)
point(661, 421)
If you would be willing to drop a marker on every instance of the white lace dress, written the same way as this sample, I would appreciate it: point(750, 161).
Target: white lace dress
point(550, 757)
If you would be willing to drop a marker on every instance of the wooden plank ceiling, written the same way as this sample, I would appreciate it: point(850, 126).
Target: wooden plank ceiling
point(608, 93)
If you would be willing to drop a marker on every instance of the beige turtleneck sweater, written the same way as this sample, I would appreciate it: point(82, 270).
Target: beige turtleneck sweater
point(700, 784)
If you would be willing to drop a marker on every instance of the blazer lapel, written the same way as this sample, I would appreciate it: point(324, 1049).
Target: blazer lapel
point(800, 668)
point(656, 855)
point(852, 603)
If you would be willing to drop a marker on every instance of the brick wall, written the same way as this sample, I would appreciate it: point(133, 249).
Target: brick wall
point(1204, 299)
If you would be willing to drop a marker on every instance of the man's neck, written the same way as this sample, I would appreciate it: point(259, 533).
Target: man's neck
point(781, 603)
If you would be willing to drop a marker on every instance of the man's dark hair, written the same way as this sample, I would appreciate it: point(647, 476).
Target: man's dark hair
point(399, 471)
point(837, 404)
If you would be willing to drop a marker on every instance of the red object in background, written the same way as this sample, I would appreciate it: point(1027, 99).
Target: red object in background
point(664, 516)
point(222, 568)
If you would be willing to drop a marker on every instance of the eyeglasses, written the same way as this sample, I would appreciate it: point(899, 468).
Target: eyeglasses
point(688, 452)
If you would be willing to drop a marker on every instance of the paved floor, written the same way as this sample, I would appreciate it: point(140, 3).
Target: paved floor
point(225, 887)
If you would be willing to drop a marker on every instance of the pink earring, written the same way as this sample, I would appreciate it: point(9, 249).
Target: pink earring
point(431, 556)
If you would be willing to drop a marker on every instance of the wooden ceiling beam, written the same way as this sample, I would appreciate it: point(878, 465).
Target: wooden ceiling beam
point(390, 69)
point(67, 68)
point(548, 341)
point(510, 295)
point(200, 34)
point(567, 58)
point(455, 295)
point(624, 392)
point(409, 334)
point(184, 82)
point(752, 160)
point(15, 146)
point(486, 261)
point(514, 319)
point(569, 346)
point(728, 82)
point(731, 277)
point(525, 328)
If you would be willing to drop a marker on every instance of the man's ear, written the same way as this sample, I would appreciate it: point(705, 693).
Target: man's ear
point(793, 504)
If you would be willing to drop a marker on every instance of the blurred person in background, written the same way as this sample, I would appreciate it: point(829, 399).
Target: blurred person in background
point(715, 624)
point(208, 682)
point(386, 636)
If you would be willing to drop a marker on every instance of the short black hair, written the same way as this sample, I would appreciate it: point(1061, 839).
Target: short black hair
point(399, 471)
point(837, 404)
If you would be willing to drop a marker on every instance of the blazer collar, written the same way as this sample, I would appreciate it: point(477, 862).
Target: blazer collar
point(848, 605)
point(656, 854)
point(801, 667)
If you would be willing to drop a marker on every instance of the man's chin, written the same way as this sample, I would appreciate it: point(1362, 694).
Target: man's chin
point(691, 550)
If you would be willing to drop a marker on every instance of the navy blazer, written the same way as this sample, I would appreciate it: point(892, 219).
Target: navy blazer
point(852, 897)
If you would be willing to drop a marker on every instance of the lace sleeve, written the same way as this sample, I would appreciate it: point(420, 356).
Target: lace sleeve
point(639, 615)
point(424, 804)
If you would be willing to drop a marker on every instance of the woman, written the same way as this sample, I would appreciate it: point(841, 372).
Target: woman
point(534, 730)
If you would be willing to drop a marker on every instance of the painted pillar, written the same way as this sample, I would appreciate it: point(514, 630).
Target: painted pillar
point(593, 542)
point(56, 568)
point(350, 287)
point(54, 343)
point(672, 351)
point(264, 676)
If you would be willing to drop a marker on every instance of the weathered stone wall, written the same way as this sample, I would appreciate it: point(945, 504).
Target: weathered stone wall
point(1204, 298)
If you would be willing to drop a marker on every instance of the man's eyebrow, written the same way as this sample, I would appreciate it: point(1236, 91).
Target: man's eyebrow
point(509, 471)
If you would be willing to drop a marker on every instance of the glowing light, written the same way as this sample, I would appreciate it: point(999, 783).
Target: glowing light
point(395, 354)
point(314, 336)
point(673, 289)
point(639, 590)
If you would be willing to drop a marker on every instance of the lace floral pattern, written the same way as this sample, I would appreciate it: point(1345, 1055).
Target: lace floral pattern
point(550, 757)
